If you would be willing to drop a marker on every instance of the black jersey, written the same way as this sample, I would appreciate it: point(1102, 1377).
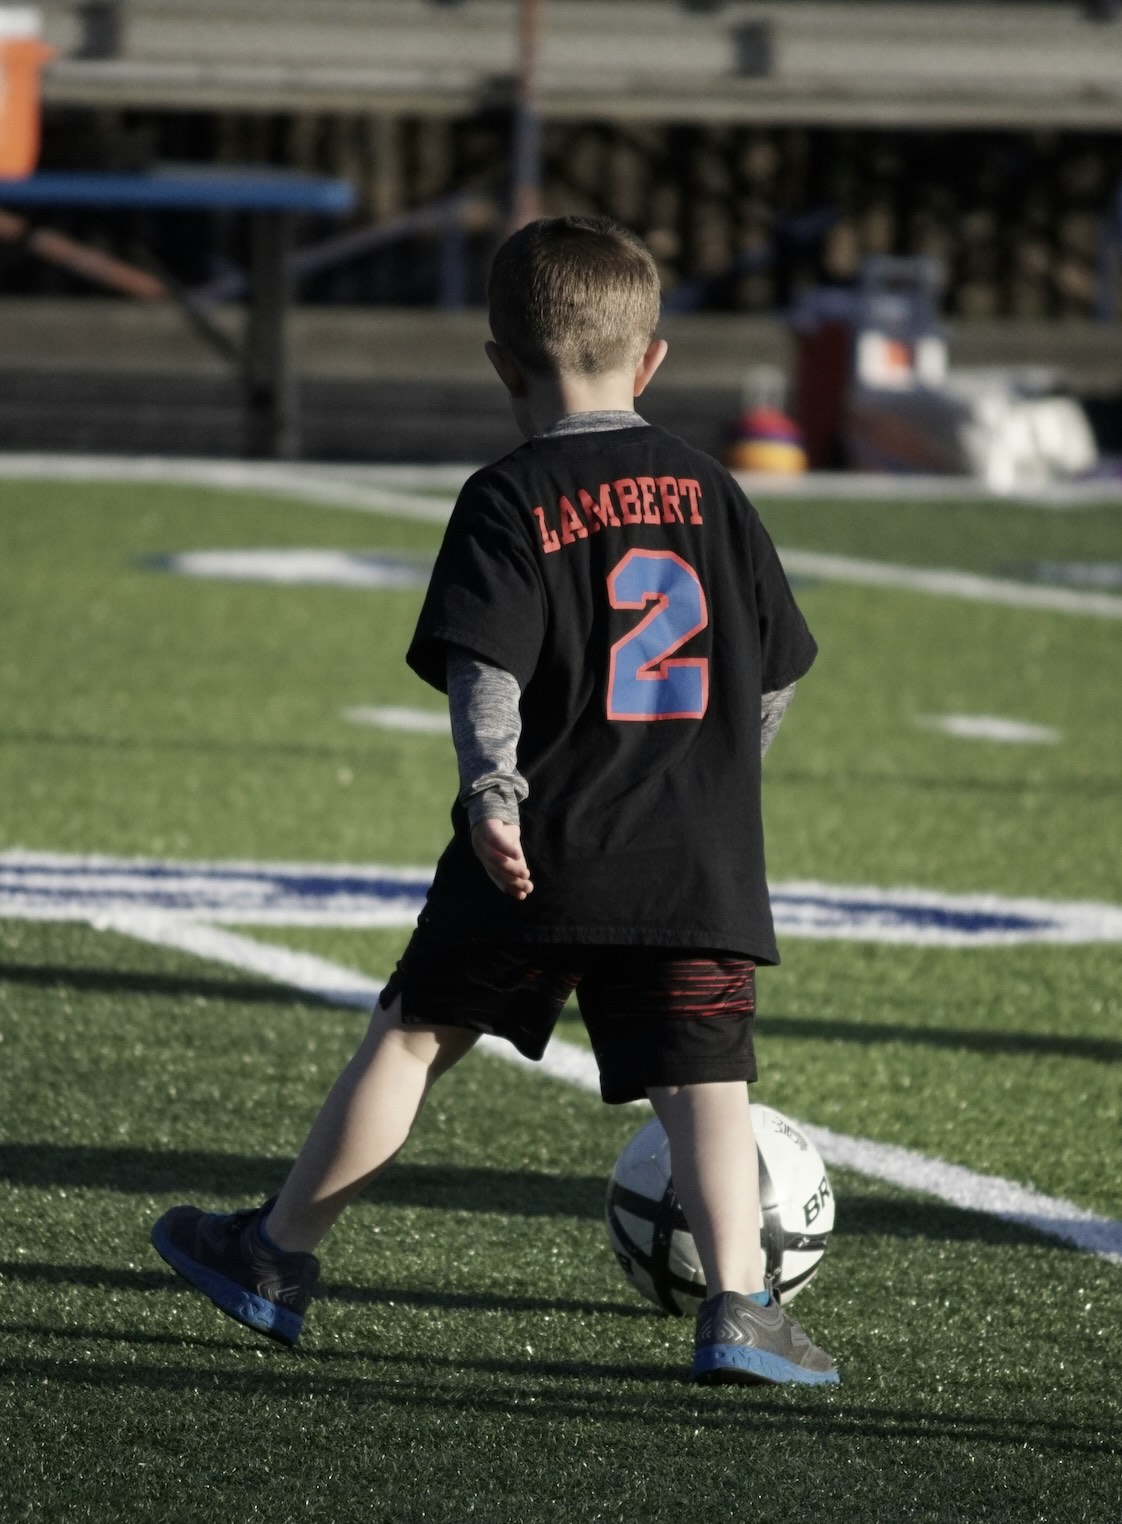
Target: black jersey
point(630, 588)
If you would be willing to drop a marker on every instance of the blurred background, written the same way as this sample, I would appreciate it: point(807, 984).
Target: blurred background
point(889, 233)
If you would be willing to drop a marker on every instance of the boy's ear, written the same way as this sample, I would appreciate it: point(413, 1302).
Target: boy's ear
point(508, 369)
point(653, 356)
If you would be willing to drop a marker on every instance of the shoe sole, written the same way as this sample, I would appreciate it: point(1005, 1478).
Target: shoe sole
point(740, 1365)
point(235, 1301)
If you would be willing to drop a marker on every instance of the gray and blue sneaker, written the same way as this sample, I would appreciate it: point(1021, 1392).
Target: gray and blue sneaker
point(740, 1341)
point(223, 1255)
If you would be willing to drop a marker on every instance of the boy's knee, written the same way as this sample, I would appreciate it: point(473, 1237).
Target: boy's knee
point(435, 1044)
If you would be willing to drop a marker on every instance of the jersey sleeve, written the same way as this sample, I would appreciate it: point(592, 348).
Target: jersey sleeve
point(787, 648)
point(485, 593)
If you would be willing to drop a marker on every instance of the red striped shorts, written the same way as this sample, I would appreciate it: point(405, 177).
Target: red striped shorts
point(655, 1016)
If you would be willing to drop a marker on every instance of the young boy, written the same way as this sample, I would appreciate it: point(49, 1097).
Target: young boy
point(618, 642)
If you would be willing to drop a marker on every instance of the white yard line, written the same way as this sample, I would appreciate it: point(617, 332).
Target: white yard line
point(960, 1187)
point(325, 486)
point(299, 566)
point(372, 490)
point(950, 584)
point(368, 487)
point(1052, 1216)
point(425, 722)
point(300, 971)
point(990, 727)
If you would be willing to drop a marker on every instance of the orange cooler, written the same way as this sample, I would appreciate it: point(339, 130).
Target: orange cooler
point(22, 56)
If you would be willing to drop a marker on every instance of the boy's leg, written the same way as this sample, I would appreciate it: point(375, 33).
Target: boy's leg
point(364, 1122)
point(264, 1276)
point(743, 1335)
point(256, 1265)
point(713, 1156)
point(676, 1026)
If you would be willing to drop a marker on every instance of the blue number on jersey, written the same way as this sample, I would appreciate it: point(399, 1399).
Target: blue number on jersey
point(643, 683)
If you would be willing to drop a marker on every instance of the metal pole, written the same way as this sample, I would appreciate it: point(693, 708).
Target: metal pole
point(526, 149)
point(101, 28)
point(272, 425)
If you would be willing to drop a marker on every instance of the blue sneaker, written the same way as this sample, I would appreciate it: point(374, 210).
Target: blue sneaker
point(738, 1341)
point(223, 1255)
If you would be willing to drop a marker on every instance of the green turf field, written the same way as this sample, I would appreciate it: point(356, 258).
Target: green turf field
point(476, 1353)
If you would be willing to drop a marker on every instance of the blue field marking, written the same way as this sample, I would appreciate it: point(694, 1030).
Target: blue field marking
point(924, 917)
point(51, 886)
point(892, 912)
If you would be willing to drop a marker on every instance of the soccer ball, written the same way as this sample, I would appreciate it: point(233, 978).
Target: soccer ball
point(651, 1238)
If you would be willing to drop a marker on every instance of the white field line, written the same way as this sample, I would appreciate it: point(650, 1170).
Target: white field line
point(426, 722)
point(363, 489)
point(884, 487)
point(368, 487)
point(328, 487)
point(292, 566)
point(301, 971)
point(1052, 1216)
point(990, 727)
point(964, 1188)
point(951, 584)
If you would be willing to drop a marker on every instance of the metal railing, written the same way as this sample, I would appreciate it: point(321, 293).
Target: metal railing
point(453, 219)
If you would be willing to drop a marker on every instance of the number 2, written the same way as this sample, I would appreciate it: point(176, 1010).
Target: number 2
point(643, 682)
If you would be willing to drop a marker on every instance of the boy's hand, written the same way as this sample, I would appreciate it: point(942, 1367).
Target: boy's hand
point(498, 847)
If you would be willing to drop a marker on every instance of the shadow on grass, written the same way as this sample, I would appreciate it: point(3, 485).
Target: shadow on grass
point(458, 1188)
point(839, 1029)
point(107, 981)
point(443, 1187)
point(160, 1278)
point(579, 1390)
point(859, 1217)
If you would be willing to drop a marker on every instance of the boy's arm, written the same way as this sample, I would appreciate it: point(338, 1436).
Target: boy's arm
point(772, 710)
point(486, 724)
point(483, 706)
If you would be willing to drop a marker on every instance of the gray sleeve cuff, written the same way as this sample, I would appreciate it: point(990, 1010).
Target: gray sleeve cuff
point(486, 726)
point(772, 710)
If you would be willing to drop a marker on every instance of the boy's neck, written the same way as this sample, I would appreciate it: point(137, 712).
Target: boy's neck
point(548, 399)
point(541, 399)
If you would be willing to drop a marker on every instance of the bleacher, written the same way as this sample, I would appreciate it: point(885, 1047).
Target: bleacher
point(1019, 64)
point(759, 147)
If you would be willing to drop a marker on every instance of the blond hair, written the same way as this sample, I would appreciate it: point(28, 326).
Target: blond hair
point(578, 295)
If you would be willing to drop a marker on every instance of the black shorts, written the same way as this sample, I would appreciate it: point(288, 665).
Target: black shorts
point(656, 1016)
